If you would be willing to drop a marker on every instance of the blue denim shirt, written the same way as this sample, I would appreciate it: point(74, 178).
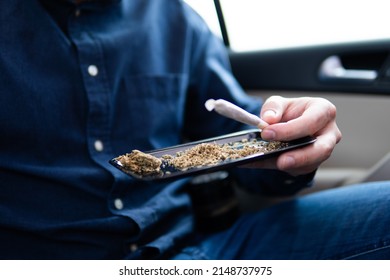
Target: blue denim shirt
point(83, 84)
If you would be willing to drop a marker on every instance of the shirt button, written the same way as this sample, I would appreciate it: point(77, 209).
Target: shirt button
point(93, 70)
point(118, 203)
point(133, 247)
point(98, 146)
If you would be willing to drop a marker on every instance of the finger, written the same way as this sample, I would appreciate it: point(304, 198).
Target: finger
point(309, 158)
point(272, 109)
point(314, 117)
point(298, 162)
point(304, 160)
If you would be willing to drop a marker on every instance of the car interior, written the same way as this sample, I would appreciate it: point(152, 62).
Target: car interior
point(354, 74)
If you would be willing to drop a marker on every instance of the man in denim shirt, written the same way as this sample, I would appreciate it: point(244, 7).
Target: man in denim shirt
point(85, 81)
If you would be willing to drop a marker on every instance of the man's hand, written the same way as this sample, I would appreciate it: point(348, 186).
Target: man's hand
point(293, 118)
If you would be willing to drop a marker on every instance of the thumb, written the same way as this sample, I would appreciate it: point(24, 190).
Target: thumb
point(272, 109)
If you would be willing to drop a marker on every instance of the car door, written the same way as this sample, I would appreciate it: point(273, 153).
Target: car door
point(338, 50)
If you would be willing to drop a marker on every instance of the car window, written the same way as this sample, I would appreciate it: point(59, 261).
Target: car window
point(261, 24)
point(206, 9)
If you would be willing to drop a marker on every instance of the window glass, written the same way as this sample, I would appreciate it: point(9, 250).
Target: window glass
point(206, 9)
point(270, 24)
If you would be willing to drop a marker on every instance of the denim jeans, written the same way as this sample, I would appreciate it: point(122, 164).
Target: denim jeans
point(345, 223)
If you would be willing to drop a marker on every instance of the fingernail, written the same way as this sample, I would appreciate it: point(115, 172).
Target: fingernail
point(289, 162)
point(269, 114)
point(268, 134)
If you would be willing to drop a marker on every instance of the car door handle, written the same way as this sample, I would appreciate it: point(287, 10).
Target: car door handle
point(332, 69)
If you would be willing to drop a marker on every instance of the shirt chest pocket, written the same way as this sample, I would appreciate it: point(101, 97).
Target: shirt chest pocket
point(149, 109)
